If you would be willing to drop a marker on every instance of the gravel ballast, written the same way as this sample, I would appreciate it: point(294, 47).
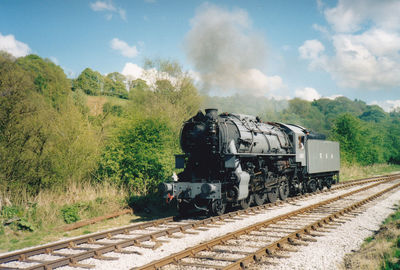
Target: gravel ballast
point(329, 251)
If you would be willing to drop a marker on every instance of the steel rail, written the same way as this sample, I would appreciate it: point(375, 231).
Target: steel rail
point(190, 252)
point(288, 239)
point(118, 247)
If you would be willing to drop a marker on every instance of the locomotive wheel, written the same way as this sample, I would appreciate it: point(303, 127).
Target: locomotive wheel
point(272, 195)
point(245, 203)
point(312, 186)
point(320, 184)
point(218, 207)
point(302, 188)
point(259, 198)
point(328, 183)
point(283, 190)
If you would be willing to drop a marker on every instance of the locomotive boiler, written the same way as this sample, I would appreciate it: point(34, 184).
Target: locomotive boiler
point(234, 160)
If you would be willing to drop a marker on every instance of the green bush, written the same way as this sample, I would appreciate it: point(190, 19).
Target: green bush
point(70, 213)
point(140, 154)
point(25, 225)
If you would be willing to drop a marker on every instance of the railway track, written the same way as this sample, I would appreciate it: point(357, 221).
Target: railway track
point(239, 249)
point(72, 252)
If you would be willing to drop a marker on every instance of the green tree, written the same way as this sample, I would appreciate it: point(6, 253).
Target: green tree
point(115, 85)
point(347, 130)
point(373, 113)
point(301, 112)
point(140, 154)
point(89, 81)
point(45, 141)
point(49, 79)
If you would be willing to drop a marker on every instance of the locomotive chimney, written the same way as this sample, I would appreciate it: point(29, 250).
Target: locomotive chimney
point(212, 113)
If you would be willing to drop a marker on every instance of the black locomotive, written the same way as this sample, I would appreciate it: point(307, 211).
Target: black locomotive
point(237, 160)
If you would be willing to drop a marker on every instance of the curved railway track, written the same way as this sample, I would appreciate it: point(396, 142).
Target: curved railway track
point(116, 240)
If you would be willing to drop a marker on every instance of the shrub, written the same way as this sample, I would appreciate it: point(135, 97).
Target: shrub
point(140, 155)
point(70, 213)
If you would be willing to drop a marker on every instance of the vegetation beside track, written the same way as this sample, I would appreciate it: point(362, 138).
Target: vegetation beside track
point(355, 171)
point(381, 250)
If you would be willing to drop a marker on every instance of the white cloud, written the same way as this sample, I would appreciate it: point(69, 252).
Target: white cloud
point(311, 49)
point(321, 29)
point(365, 42)
point(350, 15)
point(14, 47)
point(307, 93)
point(333, 97)
point(108, 6)
point(123, 48)
point(122, 13)
point(132, 71)
point(388, 105)
point(102, 6)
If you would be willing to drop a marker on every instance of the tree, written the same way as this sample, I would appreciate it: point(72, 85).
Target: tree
point(373, 113)
point(45, 141)
point(49, 79)
point(140, 154)
point(173, 95)
point(301, 112)
point(89, 81)
point(347, 130)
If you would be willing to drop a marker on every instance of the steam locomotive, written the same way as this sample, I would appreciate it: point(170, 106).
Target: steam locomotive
point(236, 160)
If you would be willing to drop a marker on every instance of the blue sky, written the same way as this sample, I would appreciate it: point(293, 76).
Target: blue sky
point(280, 49)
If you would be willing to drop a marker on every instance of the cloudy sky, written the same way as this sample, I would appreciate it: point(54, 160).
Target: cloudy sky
point(281, 49)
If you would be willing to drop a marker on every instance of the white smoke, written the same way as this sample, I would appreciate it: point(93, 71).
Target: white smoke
point(227, 53)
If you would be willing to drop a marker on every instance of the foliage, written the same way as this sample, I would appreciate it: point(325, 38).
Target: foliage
point(93, 83)
point(116, 110)
point(139, 155)
point(173, 95)
point(48, 78)
point(89, 81)
point(25, 225)
point(70, 213)
point(45, 139)
point(115, 85)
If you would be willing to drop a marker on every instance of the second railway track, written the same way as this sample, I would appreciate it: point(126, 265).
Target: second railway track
point(148, 235)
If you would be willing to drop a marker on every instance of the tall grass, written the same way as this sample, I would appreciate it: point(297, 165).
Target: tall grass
point(32, 220)
point(354, 171)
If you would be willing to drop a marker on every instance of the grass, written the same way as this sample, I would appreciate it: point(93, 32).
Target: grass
point(48, 212)
point(351, 172)
point(380, 251)
point(39, 219)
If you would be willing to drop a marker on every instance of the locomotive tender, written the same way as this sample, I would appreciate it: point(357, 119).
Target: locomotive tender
point(238, 160)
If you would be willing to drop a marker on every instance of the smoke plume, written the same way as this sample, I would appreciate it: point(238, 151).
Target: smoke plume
point(227, 53)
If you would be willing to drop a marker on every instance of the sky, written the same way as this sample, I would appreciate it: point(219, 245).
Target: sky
point(281, 49)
